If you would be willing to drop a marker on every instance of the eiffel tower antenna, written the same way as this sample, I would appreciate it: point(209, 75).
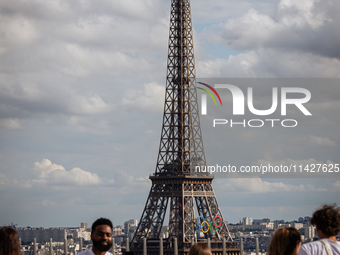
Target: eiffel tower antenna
point(176, 183)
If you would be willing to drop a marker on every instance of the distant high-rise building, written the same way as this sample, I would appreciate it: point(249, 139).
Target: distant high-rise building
point(309, 232)
point(257, 222)
point(133, 222)
point(130, 224)
point(83, 226)
point(132, 231)
point(165, 232)
point(86, 235)
point(247, 221)
point(297, 225)
point(269, 225)
point(278, 223)
point(126, 227)
point(307, 220)
point(117, 231)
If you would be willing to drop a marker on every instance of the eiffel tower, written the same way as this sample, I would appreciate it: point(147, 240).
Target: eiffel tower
point(175, 180)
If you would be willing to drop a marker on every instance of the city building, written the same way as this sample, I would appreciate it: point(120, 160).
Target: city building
point(126, 227)
point(86, 235)
point(309, 232)
point(83, 226)
point(41, 234)
point(133, 222)
point(297, 225)
point(117, 231)
point(247, 221)
point(307, 220)
point(130, 225)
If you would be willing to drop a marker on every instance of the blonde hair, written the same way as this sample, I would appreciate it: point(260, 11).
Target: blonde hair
point(284, 241)
point(200, 249)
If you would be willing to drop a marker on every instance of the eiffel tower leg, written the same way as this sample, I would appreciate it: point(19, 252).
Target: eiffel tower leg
point(223, 230)
point(176, 215)
point(203, 210)
point(158, 220)
point(207, 207)
point(146, 220)
point(188, 213)
point(202, 202)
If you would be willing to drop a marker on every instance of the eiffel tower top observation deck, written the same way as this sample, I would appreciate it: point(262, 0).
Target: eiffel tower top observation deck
point(175, 180)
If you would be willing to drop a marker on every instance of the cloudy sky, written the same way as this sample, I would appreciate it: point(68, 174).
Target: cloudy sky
point(81, 98)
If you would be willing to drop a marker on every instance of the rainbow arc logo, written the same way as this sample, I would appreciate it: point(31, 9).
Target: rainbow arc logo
point(204, 97)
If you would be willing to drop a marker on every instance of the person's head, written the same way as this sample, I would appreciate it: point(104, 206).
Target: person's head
point(9, 242)
point(199, 249)
point(327, 220)
point(101, 234)
point(286, 241)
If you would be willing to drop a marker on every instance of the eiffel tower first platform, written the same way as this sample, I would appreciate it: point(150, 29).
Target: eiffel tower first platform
point(175, 184)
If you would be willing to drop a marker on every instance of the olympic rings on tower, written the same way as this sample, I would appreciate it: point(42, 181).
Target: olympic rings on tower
point(209, 226)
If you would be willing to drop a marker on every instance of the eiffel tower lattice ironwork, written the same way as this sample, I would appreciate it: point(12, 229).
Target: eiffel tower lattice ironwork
point(175, 182)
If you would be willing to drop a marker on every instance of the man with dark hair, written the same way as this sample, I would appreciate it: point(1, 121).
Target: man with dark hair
point(101, 236)
point(327, 222)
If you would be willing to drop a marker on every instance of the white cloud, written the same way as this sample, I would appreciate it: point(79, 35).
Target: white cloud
point(301, 40)
point(46, 167)
point(85, 124)
point(48, 203)
point(301, 14)
point(3, 180)
point(76, 59)
point(336, 186)
point(150, 99)
point(75, 176)
point(89, 105)
point(24, 104)
point(270, 63)
point(257, 185)
point(57, 175)
point(16, 31)
point(322, 141)
point(297, 25)
point(129, 184)
point(10, 123)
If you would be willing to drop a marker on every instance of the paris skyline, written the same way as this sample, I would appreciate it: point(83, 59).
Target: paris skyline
point(82, 92)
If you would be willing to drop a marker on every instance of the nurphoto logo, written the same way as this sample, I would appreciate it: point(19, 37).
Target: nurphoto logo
point(239, 101)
